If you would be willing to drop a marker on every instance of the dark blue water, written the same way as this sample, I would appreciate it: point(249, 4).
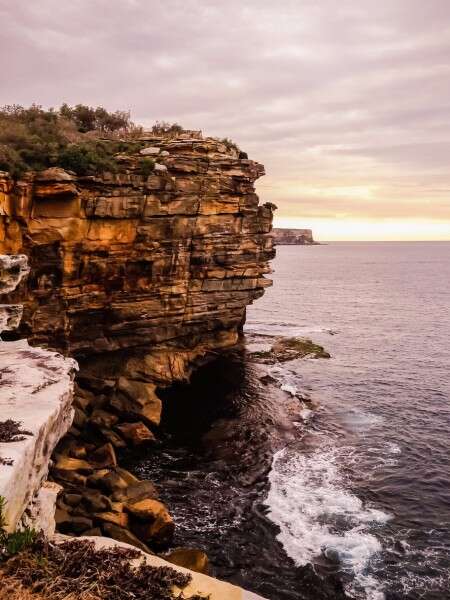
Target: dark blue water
point(367, 482)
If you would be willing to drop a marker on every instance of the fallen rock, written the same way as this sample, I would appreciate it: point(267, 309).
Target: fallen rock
point(67, 463)
point(113, 438)
point(138, 399)
point(68, 523)
point(103, 419)
point(136, 433)
point(189, 558)
point(104, 456)
point(96, 501)
point(117, 518)
point(124, 535)
point(141, 490)
point(156, 524)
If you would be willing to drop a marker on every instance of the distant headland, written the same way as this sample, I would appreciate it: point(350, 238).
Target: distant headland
point(293, 237)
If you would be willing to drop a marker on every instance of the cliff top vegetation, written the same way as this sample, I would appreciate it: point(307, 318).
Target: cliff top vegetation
point(80, 138)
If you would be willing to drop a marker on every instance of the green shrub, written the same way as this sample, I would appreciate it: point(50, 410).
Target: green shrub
point(13, 543)
point(146, 166)
point(88, 158)
point(36, 138)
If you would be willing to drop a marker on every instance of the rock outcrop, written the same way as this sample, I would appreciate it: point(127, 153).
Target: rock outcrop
point(158, 265)
point(36, 404)
point(140, 274)
point(293, 237)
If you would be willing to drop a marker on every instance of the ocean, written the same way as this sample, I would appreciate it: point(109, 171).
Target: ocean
point(334, 479)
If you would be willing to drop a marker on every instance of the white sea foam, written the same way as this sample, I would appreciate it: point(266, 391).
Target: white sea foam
point(317, 515)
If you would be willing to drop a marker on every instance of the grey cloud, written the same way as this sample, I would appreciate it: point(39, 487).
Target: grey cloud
point(325, 94)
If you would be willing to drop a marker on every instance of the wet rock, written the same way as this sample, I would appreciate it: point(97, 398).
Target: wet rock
point(286, 349)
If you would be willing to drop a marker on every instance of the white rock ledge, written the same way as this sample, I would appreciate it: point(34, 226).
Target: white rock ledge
point(36, 388)
point(202, 585)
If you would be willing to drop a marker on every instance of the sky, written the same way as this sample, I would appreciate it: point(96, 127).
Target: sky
point(346, 103)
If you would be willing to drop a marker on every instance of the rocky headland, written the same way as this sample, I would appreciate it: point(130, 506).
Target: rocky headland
point(140, 274)
point(293, 237)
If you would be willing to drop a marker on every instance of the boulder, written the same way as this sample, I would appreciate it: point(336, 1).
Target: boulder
point(150, 151)
point(110, 481)
point(72, 499)
point(153, 522)
point(68, 523)
point(96, 501)
point(138, 398)
point(136, 433)
point(124, 535)
point(103, 419)
point(104, 456)
point(113, 438)
point(67, 463)
point(141, 490)
point(189, 558)
point(127, 476)
point(117, 518)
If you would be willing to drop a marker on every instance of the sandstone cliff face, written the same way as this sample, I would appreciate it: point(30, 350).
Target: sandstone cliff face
point(153, 269)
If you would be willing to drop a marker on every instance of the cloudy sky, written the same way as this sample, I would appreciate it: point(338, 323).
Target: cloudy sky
point(346, 103)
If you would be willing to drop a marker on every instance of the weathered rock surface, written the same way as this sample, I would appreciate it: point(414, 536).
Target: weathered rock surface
point(201, 585)
point(158, 268)
point(36, 391)
point(140, 274)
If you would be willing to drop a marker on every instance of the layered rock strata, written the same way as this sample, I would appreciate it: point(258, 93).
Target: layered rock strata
point(165, 261)
point(140, 274)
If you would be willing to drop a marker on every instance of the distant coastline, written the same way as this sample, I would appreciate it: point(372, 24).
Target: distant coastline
point(293, 237)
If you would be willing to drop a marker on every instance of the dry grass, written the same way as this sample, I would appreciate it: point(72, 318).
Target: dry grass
point(75, 570)
point(12, 589)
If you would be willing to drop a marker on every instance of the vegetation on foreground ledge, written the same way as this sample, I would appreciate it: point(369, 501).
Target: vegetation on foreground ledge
point(33, 567)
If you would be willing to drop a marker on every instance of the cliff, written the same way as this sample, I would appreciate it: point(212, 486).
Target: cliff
point(293, 237)
point(156, 261)
point(140, 274)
